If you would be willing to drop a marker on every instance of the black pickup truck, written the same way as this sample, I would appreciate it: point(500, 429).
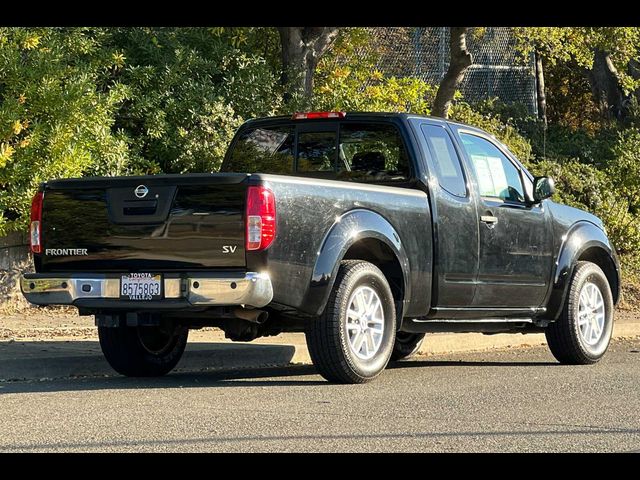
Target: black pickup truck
point(363, 230)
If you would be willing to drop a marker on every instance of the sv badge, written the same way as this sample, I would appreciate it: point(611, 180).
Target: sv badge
point(229, 248)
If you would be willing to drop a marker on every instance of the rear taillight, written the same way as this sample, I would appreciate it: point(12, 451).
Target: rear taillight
point(261, 217)
point(35, 233)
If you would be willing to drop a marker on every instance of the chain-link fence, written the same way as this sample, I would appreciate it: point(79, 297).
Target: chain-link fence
point(423, 52)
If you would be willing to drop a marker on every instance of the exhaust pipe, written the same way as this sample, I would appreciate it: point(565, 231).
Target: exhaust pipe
point(251, 315)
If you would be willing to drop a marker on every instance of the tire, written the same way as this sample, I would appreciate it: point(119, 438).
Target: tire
point(406, 345)
point(143, 351)
point(573, 339)
point(334, 336)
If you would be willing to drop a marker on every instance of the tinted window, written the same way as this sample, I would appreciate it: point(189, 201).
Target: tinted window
point(262, 150)
point(496, 175)
point(445, 159)
point(372, 153)
point(367, 153)
point(316, 151)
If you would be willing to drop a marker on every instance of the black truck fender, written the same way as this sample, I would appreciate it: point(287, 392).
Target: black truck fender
point(365, 235)
point(583, 241)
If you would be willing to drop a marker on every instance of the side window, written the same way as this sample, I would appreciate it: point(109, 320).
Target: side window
point(372, 153)
point(445, 160)
point(316, 151)
point(496, 175)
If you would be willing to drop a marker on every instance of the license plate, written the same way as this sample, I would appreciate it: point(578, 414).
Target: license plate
point(141, 286)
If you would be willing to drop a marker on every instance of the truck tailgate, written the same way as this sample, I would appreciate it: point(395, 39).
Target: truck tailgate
point(148, 223)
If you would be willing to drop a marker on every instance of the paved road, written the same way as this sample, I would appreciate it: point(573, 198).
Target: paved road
point(516, 400)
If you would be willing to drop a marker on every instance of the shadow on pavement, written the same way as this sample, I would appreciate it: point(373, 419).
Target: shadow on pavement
point(46, 360)
point(40, 366)
point(202, 379)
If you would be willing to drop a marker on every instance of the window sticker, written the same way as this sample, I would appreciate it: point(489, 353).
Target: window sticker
point(447, 168)
point(491, 177)
point(485, 182)
point(500, 184)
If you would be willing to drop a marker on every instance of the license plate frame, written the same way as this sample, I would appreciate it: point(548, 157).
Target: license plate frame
point(141, 287)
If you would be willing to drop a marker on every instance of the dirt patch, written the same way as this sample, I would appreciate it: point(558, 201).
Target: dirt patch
point(10, 295)
point(630, 298)
point(45, 323)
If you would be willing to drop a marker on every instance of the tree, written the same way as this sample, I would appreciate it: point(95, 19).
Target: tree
point(606, 86)
point(190, 90)
point(540, 90)
point(603, 53)
point(302, 48)
point(460, 60)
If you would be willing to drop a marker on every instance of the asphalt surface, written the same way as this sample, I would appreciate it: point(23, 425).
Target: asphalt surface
point(512, 400)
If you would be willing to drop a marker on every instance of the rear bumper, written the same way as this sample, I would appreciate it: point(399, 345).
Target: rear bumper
point(180, 290)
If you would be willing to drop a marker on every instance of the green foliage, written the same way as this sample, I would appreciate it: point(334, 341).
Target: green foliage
point(191, 89)
point(577, 184)
point(111, 101)
point(587, 187)
point(559, 141)
point(348, 81)
point(624, 168)
point(577, 44)
point(56, 114)
point(344, 91)
point(598, 172)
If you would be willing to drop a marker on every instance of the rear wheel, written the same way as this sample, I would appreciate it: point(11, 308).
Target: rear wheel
point(143, 351)
point(582, 333)
point(406, 345)
point(351, 342)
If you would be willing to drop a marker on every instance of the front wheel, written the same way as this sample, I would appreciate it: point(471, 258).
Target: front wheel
point(143, 351)
point(352, 341)
point(582, 333)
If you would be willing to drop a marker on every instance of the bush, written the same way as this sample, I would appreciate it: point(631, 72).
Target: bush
point(190, 90)
point(577, 184)
point(111, 101)
point(589, 188)
point(624, 167)
point(558, 141)
point(56, 116)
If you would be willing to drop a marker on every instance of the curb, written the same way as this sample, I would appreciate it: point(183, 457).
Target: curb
point(446, 343)
point(469, 342)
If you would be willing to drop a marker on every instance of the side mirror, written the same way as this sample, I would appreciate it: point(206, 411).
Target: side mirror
point(543, 187)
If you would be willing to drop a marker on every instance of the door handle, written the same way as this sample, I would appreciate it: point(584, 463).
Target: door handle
point(489, 219)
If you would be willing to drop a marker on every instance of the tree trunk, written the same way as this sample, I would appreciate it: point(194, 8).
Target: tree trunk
point(605, 86)
point(542, 98)
point(460, 60)
point(634, 71)
point(302, 48)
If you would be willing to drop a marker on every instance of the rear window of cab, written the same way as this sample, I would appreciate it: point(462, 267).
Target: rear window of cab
point(360, 152)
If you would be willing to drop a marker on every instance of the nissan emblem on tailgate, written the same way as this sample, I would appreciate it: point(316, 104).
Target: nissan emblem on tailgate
point(141, 191)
